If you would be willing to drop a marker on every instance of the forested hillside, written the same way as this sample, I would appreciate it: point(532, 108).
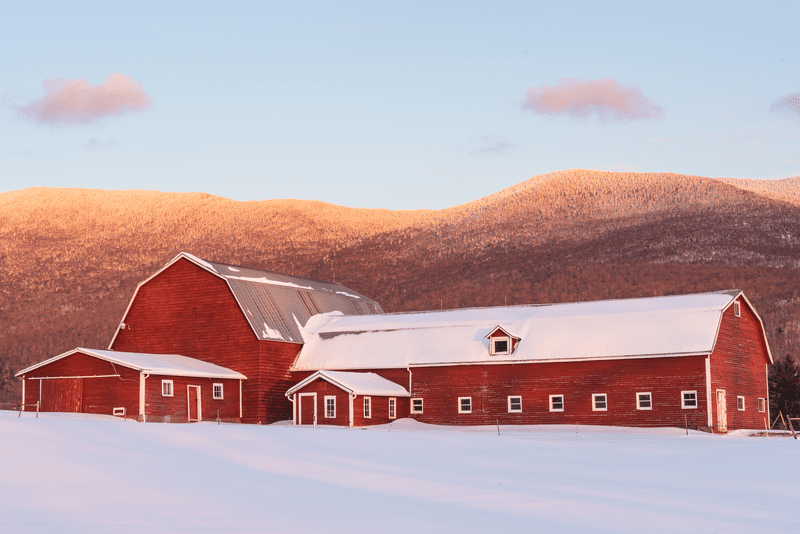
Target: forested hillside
point(70, 259)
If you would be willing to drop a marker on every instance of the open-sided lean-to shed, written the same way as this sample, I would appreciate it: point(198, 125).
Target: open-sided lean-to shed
point(347, 399)
point(147, 387)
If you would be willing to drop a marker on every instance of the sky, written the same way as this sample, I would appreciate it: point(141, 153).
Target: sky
point(399, 105)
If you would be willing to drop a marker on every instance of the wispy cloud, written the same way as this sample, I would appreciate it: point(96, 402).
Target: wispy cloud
point(491, 144)
point(77, 102)
point(96, 144)
point(603, 97)
point(787, 105)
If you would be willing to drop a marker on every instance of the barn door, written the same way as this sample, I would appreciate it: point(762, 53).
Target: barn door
point(307, 413)
point(722, 411)
point(62, 395)
point(195, 409)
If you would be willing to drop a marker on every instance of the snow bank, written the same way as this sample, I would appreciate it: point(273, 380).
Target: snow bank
point(69, 473)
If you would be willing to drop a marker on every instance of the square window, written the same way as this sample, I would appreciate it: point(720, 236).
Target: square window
point(330, 407)
point(465, 405)
point(644, 401)
point(599, 402)
point(762, 404)
point(367, 406)
point(416, 405)
point(166, 388)
point(556, 403)
point(737, 309)
point(500, 345)
point(515, 404)
point(218, 391)
point(689, 399)
point(740, 403)
point(392, 408)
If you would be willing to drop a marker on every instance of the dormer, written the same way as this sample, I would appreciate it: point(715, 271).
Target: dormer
point(501, 341)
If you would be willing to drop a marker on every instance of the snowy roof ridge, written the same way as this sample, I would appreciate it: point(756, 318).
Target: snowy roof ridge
point(165, 364)
point(674, 325)
point(355, 383)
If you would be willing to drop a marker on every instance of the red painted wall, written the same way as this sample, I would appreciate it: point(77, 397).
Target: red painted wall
point(323, 389)
point(489, 386)
point(739, 366)
point(379, 410)
point(97, 395)
point(188, 311)
point(159, 408)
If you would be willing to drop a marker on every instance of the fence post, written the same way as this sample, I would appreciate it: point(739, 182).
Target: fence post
point(20, 409)
point(37, 409)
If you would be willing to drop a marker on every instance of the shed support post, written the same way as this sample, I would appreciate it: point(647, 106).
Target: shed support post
point(22, 403)
point(142, 378)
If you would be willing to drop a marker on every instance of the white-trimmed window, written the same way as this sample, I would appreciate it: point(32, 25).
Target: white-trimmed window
point(556, 403)
point(367, 407)
point(762, 404)
point(515, 404)
point(218, 391)
point(392, 408)
point(599, 402)
point(689, 400)
point(416, 405)
point(120, 412)
point(465, 405)
point(330, 407)
point(501, 345)
point(644, 401)
point(737, 309)
point(166, 388)
point(740, 403)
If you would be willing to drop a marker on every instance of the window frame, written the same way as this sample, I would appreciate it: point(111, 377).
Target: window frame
point(392, 408)
point(214, 395)
point(740, 402)
point(118, 412)
point(413, 408)
point(494, 340)
point(639, 400)
point(510, 409)
point(327, 411)
point(367, 407)
point(169, 390)
point(595, 399)
point(737, 308)
point(762, 404)
point(552, 408)
point(683, 399)
point(461, 404)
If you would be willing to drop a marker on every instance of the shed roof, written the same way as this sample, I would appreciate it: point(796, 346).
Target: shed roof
point(157, 364)
point(355, 383)
point(608, 329)
point(277, 305)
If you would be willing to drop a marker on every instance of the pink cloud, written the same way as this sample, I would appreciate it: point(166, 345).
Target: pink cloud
point(787, 104)
point(603, 97)
point(75, 101)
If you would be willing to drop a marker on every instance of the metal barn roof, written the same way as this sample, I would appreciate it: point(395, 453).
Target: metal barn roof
point(157, 364)
point(355, 383)
point(278, 305)
point(627, 328)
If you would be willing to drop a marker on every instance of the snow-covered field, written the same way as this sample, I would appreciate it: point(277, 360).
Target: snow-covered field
point(68, 473)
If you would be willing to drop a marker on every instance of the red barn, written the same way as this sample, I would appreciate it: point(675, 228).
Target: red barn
point(696, 359)
point(146, 387)
point(243, 319)
point(347, 399)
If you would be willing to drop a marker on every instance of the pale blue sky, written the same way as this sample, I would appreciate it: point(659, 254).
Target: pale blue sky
point(394, 104)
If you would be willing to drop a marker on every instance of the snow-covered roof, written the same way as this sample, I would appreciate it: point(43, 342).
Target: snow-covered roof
point(626, 328)
point(277, 305)
point(156, 364)
point(355, 383)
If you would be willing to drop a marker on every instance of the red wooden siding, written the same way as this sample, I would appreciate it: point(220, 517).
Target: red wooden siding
point(84, 395)
point(739, 366)
point(188, 311)
point(323, 389)
point(379, 409)
point(159, 408)
point(489, 386)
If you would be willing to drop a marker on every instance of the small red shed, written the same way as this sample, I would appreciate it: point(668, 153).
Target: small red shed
point(347, 399)
point(147, 387)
